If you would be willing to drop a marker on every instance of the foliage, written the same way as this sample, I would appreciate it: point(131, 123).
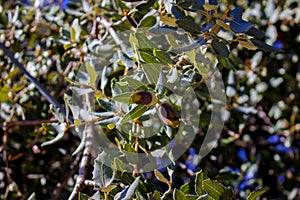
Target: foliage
point(128, 76)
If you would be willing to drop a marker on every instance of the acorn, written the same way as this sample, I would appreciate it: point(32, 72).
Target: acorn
point(168, 115)
point(146, 98)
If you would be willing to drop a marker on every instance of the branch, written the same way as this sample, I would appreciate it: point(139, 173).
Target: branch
point(84, 162)
point(40, 88)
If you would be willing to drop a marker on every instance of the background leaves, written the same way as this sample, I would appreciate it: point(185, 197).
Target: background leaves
point(259, 145)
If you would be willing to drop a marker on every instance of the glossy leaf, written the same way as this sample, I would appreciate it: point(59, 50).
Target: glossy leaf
point(147, 22)
point(255, 194)
point(220, 48)
point(82, 196)
point(178, 195)
point(263, 46)
point(160, 176)
point(222, 24)
point(185, 188)
point(189, 25)
point(107, 105)
point(237, 24)
point(227, 194)
point(124, 97)
point(128, 192)
point(169, 21)
point(177, 12)
point(210, 7)
point(159, 30)
point(213, 188)
point(103, 175)
point(198, 183)
point(145, 6)
point(248, 45)
point(133, 114)
point(255, 32)
point(163, 56)
point(193, 45)
point(59, 128)
point(92, 73)
point(205, 197)
point(151, 67)
point(134, 83)
point(144, 42)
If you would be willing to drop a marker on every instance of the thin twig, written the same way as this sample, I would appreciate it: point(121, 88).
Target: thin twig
point(84, 162)
point(61, 185)
point(40, 88)
point(31, 122)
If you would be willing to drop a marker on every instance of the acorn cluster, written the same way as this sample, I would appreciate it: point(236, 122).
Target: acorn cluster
point(166, 112)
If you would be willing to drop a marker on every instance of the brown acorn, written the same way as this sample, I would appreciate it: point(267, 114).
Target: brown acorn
point(168, 115)
point(146, 98)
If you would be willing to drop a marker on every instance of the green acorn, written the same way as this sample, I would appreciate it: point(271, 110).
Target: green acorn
point(146, 98)
point(168, 115)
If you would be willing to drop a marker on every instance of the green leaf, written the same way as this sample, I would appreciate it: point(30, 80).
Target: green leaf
point(210, 7)
point(105, 104)
point(225, 62)
point(264, 46)
point(227, 194)
point(202, 68)
point(178, 195)
point(140, 196)
point(147, 58)
point(145, 6)
point(92, 72)
point(220, 48)
point(135, 113)
point(189, 25)
point(124, 97)
point(133, 40)
point(128, 192)
point(162, 56)
point(147, 23)
point(4, 94)
point(108, 188)
point(75, 30)
point(134, 83)
point(106, 122)
point(248, 45)
point(185, 188)
point(144, 42)
point(205, 197)
point(198, 183)
point(82, 196)
point(73, 34)
point(60, 128)
point(103, 174)
point(57, 113)
point(255, 194)
point(82, 143)
point(81, 91)
point(178, 14)
point(151, 67)
point(160, 176)
point(227, 176)
point(156, 195)
point(213, 188)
